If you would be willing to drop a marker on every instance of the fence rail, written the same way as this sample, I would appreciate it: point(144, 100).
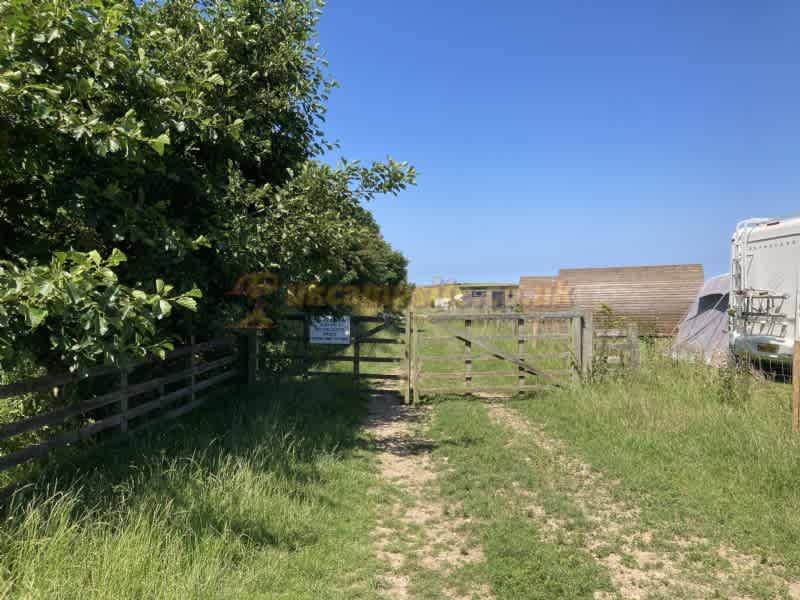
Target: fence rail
point(617, 347)
point(141, 404)
point(309, 358)
point(532, 351)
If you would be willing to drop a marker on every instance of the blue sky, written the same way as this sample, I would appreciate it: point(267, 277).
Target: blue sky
point(567, 134)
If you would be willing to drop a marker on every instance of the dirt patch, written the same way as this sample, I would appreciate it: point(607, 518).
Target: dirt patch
point(418, 531)
point(617, 539)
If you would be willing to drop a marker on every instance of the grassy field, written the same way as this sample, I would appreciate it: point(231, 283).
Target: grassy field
point(260, 495)
point(709, 452)
point(675, 481)
point(485, 478)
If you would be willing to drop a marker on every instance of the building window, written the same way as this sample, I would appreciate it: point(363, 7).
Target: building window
point(478, 293)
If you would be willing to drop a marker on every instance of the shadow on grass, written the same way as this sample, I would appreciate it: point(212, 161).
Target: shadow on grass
point(272, 433)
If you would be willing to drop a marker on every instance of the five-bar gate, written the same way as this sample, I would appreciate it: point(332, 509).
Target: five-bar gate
point(450, 353)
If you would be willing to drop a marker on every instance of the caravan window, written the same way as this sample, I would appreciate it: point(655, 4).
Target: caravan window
point(712, 302)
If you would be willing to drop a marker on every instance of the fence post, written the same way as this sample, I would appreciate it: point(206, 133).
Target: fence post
point(192, 368)
point(577, 347)
point(796, 387)
point(587, 352)
point(248, 344)
point(123, 400)
point(356, 361)
point(519, 332)
point(306, 346)
point(407, 339)
point(252, 356)
point(415, 361)
point(633, 343)
point(467, 355)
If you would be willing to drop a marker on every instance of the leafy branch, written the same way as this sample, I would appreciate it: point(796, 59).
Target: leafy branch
point(77, 306)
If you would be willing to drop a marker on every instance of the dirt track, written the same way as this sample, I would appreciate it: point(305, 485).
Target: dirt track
point(417, 532)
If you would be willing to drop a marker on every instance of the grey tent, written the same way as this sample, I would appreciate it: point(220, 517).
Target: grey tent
point(703, 333)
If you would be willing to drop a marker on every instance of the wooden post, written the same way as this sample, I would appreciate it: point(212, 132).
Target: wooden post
point(633, 344)
point(467, 355)
point(407, 340)
point(356, 361)
point(587, 339)
point(796, 387)
point(252, 356)
point(519, 332)
point(123, 399)
point(577, 348)
point(192, 369)
point(242, 357)
point(415, 360)
point(306, 346)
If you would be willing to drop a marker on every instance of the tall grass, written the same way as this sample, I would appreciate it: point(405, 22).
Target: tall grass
point(260, 495)
point(708, 452)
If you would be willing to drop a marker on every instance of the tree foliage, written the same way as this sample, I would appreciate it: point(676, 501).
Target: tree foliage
point(185, 134)
point(76, 311)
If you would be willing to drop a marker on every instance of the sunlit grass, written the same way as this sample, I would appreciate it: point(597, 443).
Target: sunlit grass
point(708, 451)
point(487, 478)
point(262, 494)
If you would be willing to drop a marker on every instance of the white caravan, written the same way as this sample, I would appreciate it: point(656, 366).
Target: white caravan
point(765, 278)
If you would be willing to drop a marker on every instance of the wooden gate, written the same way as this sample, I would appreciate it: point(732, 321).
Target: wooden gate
point(376, 342)
point(451, 353)
point(448, 353)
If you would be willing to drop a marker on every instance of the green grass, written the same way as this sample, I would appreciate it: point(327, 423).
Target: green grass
point(700, 451)
point(262, 494)
point(705, 456)
point(272, 492)
point(487, 477)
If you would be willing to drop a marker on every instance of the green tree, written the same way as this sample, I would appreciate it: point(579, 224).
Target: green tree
point(186, 134)
point(75, 312)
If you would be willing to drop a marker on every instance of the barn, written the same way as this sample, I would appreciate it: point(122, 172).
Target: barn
point(656, 298)
point(484, 296)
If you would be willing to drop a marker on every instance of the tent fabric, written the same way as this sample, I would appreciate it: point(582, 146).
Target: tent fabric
point(703, 333)
point(721, 284)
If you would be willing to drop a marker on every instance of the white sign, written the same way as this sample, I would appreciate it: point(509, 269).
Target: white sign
point(328, 330)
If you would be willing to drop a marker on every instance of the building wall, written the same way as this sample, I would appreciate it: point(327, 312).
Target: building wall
point(656, 298)
point(484, 301)
point(545, 293)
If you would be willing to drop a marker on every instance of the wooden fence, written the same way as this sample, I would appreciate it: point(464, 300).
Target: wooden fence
point(617, 347)
point(183, 383)
point(308, 359)
point(534, 349)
